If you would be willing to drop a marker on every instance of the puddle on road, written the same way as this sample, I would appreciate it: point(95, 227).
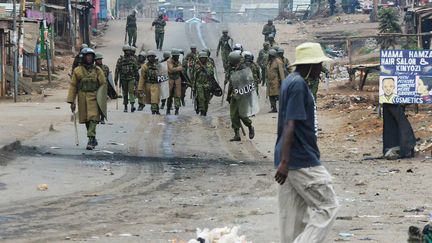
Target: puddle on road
point(100, 199)
point(2, 186)
point(5, 219)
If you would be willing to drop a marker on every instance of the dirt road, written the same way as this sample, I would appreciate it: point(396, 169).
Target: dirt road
point(158, 178)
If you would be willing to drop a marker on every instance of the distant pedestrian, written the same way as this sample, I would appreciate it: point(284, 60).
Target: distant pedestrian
point(269, 29)
point(159, 25)
point(131, 28)
point(307, 201)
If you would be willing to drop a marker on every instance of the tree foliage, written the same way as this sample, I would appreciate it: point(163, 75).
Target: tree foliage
point(388, 19)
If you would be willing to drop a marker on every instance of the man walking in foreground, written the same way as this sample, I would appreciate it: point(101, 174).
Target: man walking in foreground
point(307, 201)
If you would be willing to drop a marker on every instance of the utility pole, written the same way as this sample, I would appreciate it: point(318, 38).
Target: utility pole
point(46, 42)
point(21, 38)
point(15, 51)
point(71, 26)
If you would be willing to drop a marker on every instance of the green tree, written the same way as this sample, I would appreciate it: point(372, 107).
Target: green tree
point(388, 19)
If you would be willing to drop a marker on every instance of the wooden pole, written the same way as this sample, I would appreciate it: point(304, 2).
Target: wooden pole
point(15, 51)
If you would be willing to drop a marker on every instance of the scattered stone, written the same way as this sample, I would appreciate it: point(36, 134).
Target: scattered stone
point(415, 210)
point(344, 218)
point(410, 171)
point(42, 187)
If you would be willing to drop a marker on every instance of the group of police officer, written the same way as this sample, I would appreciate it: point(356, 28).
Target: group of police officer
point(146, 79)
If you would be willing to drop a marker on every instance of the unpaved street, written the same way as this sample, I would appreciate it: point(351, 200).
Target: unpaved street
point(158, 178)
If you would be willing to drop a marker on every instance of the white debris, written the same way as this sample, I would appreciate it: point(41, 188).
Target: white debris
point(220, 235)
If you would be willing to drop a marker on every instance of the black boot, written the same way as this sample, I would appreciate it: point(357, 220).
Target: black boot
point(90, 144)
point(162, 105)
point(236, 137)
point(153, 112)
point(176, 111)
point(183, 101)
point(102, 121)
point(95, 142)
point(125, 108)
point(168, 111)
point(251, 132)
point(141, 107)
point(157, 112)
point(133, 107)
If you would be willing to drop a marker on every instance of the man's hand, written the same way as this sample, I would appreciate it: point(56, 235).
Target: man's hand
point(72, 107)
point(282, 172)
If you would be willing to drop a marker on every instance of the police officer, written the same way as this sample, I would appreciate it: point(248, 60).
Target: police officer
point(141, 60)
point(86, 81)
point(225, 47)
point(249, 62)
point(148, 84)
point(78, 57)
point(269, 29)
point(275, 75)
point(286, 63)
point(203, 71)
point(263, 61)
point(131, 28)
point(106, 70)
point(127, 71)
point(166, 55)
point(174, 70)
point(159, 25)
point(235, 60)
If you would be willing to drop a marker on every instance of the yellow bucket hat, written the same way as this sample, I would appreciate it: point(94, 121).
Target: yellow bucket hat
point(309, 53)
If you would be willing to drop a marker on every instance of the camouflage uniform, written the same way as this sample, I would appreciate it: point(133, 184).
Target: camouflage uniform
point(263, 62)
point(225, 48)
point(256, 73)
point(314, 83)
point(131, 29)
point(159, 32)
point(127, 71)
point(202, 85)
point(236, 119)
point(188, 63)
point(267, 30)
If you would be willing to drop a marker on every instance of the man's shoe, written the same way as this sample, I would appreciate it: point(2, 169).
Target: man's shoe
point(90, 144)
point(157, 112)
point(251, 132)
point(236, 137)
point(183, 102)
point(95, 142)
point(168, 112)
point(176, 111)
point(133, 107)
point(125, 109)
point(102, 121)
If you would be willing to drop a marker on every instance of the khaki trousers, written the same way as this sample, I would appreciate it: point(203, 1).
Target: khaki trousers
point(307, 206)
